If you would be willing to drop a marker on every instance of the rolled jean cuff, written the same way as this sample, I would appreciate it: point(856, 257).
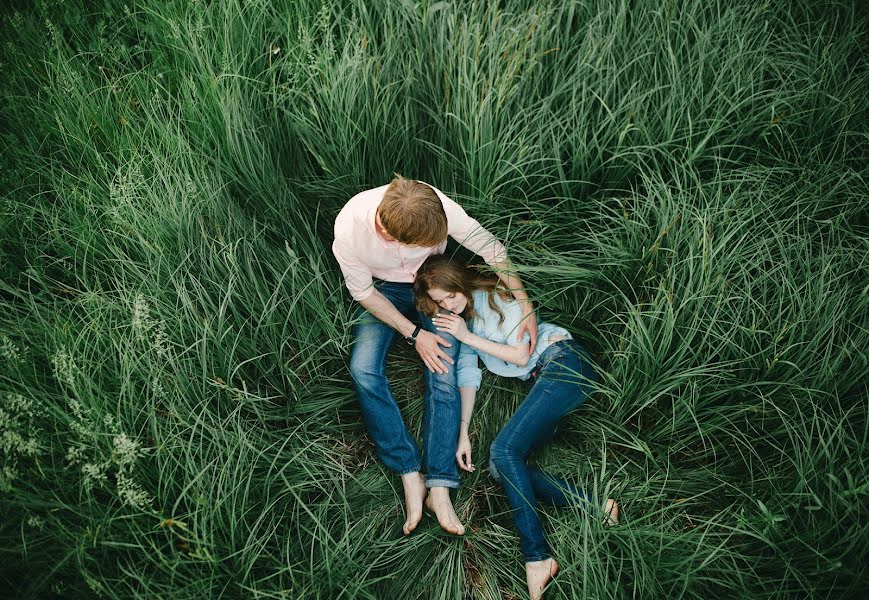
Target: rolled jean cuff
point(448, 483)
point(407, 471)
point(537, 558)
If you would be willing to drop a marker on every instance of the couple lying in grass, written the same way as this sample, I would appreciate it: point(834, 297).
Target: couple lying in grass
point(389, 243)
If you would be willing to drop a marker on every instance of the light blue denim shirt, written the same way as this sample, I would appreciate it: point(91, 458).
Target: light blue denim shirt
point(485, 325)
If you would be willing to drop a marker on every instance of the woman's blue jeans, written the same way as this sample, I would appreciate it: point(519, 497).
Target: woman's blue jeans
point(442, 404)
point(563, 379)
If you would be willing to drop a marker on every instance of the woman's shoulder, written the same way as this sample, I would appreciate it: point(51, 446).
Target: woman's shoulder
point(481, 300)
point(481, 297)
point(508, 304)
point(508, 307)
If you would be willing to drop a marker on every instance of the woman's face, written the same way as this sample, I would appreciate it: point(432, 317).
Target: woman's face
point(455, 302)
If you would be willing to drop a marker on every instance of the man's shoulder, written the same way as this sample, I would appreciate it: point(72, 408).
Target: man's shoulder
point(358, 206)
point(368, 197)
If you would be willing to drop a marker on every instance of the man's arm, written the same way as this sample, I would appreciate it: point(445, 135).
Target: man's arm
point(507, 274)
point(473, 236)
point(384, 310)
point(357, 277)
point(428, 345)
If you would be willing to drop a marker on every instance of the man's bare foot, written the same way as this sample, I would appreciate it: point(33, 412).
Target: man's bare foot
point(439, 503)
point(414, 493)
point(538, 574)
point(611, 510)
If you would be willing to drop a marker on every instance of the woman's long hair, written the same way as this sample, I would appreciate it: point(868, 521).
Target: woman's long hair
point(440, 271)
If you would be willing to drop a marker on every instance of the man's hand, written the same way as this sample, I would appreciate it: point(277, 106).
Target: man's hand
point(529, 324)
point(428, 346)
point(463, 453)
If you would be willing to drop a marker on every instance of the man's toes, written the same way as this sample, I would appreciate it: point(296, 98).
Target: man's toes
point(460, 529)
point(452, 525)
point(410, 524)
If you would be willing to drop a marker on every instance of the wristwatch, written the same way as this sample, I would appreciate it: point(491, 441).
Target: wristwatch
point(411, 339)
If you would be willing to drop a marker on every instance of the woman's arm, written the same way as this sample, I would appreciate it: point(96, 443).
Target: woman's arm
point(463, 449)
point(517, 354)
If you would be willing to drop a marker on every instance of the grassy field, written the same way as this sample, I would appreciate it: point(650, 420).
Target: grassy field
point(684, 183)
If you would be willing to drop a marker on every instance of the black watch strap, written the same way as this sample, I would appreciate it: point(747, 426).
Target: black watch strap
point(411, 339)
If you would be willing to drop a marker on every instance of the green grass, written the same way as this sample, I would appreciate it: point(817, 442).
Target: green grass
point(683, 184)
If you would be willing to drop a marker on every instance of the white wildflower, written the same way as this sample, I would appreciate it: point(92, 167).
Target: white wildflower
point(65, 368)
point(35, 522)
point(52, 30)
point(8, 350)
point(141, 316)
point(30, 447)
point(95, 586)
point(18, 436)
point(143, 325)
point(109, 422)
point(131, 493)
point(160, 343)
point(190, 194)
point(94, 473)
point(14, 444)
point(77, 411)
point(10, 440)
point(7, 476)
point(74, 455)
point(126, 451)
point(80, 430)
point(22, 406)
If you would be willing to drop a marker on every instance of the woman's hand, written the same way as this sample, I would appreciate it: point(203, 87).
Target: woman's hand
point(463, 453)
point(452, 324)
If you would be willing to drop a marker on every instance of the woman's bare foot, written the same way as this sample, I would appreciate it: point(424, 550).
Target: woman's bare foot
point(611, 510)
point(438, 502)
point(538, 574)
point(414, 493)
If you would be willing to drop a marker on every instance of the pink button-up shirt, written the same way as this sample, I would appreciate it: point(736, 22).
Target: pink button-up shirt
point(363, 254)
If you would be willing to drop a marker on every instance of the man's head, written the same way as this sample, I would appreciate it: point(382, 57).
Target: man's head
point(412, 213)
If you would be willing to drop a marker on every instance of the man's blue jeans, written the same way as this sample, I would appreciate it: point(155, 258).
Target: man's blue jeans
point(563, 380)
point(442, 409)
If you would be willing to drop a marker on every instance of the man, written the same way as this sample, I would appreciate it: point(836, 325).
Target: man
point(382, 236)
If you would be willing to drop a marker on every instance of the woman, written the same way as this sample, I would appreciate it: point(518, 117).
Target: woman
point(450, 292)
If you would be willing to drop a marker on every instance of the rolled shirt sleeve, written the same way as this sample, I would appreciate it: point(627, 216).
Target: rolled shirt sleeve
point(468, 372)
point(357, 276)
